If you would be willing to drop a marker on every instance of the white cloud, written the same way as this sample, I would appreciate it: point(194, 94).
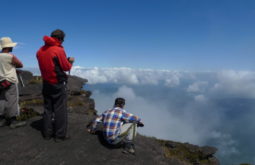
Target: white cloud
point(200, 98)
point(197, 86)
point(172, 80)
point(225, 143)
point(125, 92)
point(125, 75)
point(222, 83)
point(235, 84)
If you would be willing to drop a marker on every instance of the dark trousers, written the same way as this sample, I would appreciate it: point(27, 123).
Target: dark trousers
point(55, 110)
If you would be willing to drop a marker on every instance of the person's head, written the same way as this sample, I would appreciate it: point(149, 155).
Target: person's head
point(59, 34)
point(119, 102)
point(6, 44)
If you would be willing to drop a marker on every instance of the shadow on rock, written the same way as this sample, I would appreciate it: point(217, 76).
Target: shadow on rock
point(102, 140)
point(37, 125)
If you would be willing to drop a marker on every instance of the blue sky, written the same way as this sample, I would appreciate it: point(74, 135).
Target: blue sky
point(158, 34)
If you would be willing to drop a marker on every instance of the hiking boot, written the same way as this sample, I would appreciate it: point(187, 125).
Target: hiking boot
point(61, 139)
point(129, 148)
point(14, 123)
point(47, 137)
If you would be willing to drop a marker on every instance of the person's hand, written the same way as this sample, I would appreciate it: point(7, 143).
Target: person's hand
point(71, 59)
point(91, 131)
point(140, 124)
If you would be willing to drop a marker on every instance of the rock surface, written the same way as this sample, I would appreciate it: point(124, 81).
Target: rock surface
point(25, 145)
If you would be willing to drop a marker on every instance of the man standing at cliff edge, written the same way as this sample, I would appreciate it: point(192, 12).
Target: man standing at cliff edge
point(53, 63)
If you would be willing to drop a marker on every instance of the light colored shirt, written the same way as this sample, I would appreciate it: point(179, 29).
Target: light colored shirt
point(7, 69)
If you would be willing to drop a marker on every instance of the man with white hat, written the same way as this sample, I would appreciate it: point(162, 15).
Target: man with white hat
point(9, 107)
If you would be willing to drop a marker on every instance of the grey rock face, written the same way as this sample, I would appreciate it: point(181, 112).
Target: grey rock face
point(75, 84)
point(208, 151)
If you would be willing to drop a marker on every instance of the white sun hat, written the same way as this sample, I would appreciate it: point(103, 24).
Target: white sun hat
point(6, 42)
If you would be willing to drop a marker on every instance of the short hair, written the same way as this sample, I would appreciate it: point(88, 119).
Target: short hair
point(59, 34)
point(119, 102)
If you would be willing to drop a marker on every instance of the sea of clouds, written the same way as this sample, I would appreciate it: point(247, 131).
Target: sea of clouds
point(203, 108)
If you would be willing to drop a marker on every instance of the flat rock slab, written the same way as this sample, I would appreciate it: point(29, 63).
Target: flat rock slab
point(25, 145)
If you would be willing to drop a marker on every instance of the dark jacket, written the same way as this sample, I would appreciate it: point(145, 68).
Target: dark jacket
point(53, 61)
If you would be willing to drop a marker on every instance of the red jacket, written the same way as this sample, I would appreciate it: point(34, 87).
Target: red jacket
point(52, 61)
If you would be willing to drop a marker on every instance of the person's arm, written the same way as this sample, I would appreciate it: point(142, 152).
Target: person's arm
point(16, 62)
point(129, 117)
point(92, 128)
point(63, 61)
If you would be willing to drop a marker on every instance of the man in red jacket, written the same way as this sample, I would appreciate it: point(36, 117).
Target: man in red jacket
point(53, 63)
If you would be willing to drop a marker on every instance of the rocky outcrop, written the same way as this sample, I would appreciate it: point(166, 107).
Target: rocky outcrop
point(79, 100)
point(189, 152)
point(25, 145)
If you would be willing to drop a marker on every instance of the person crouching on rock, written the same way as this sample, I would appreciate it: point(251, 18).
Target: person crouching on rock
point(119, 126)
point(53, 63)
point(9, 97)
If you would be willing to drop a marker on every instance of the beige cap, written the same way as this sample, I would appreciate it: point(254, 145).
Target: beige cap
point(6, 42)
